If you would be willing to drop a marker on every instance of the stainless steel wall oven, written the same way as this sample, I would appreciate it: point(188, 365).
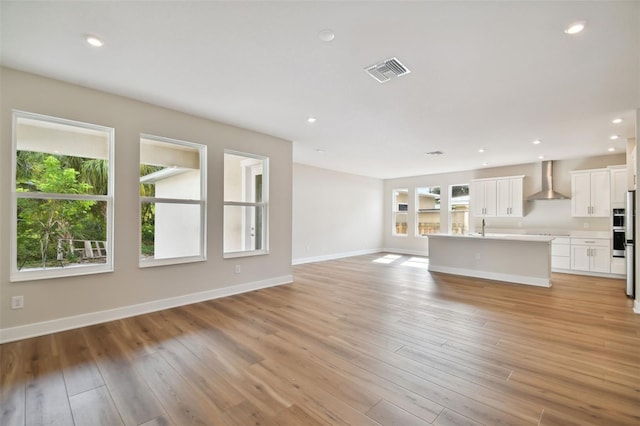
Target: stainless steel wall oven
point(619, 239)
point(618, 243)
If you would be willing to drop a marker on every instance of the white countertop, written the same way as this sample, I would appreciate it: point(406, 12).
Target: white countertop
point(555, 232)
point(492, 236)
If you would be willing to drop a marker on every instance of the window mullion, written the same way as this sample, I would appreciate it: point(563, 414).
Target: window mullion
point(170, 200)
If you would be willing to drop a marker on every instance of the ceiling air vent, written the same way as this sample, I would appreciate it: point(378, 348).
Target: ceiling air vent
point(387, 69)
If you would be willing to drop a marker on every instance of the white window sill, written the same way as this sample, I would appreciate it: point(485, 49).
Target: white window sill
point(150, 263)
point(67, 271)
point(235, 254)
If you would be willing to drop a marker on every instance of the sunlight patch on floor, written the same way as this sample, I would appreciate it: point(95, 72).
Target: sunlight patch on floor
point(386, 259)
point(417, 262)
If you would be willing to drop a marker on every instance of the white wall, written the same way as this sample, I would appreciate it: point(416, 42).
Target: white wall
point(544, 215)
point(177, 226)
point(335, 214)
point(129, 285)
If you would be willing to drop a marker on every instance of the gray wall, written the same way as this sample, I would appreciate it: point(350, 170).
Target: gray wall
point(335, 214)
point(130, 285)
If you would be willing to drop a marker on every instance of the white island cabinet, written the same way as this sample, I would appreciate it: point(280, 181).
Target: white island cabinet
point(522, 259)
point(561, 253)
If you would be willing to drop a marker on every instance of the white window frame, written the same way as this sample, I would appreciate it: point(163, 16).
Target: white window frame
point(248, 165)
point(202, 202)
point(417, 210)
point(395, 210)
point(450, 205)
point(17, 275)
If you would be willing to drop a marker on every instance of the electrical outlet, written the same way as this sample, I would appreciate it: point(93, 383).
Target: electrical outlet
point(586, 225)
point(238, 269)
point(477, 256)
point(17, 302)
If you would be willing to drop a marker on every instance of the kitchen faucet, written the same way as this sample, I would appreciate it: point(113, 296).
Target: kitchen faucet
point(483, 227)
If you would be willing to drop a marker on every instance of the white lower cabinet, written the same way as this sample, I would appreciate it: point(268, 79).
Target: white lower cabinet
point(591, 255)
point(619, 265)
point(561, 253)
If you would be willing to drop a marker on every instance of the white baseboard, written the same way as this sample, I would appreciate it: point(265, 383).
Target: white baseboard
point(322, 258)
point(588, 273)
point(409, 252)
point(509, 278)
point(636, 306)
point(68, 323)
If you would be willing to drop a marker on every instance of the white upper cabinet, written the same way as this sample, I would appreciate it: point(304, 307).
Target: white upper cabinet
point(510, 197)
point(618, 186)
point(484, 198)
point(590, 193)
point(498, 197)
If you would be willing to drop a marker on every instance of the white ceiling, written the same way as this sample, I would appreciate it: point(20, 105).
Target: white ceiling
point(493, 75)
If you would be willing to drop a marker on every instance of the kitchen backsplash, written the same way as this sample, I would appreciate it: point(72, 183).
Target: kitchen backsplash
point(545, 215)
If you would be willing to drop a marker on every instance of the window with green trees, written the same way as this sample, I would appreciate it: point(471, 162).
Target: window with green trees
point(63, 194)
point(173, 200)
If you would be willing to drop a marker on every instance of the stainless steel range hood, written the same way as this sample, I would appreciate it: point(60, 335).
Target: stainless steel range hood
point(547, 192)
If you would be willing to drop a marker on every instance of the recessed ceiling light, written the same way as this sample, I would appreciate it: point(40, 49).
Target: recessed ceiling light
point(575, 28)
point(611, 149)
point(614, 137)
point(94, 41)
point(481, 150)
point(540, 157)
point(326, 35)
point(537, 142)
point(311, 120)
point(320, 151)
point(616, 120)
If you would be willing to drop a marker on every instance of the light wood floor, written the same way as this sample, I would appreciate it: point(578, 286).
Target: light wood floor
point(352, 341)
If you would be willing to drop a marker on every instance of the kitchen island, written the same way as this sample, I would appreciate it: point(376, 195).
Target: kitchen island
point(522, 259)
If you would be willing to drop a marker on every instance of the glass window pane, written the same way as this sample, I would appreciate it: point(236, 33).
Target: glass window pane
point(400, 207)
point(58, 158)
point(169, 170)
point(170, 230)
point(243, 178)
point(428, 210)
point(243, 228)
point(400, 223)
point(459, 209)
point(54, 233)
point(428, 223)
point(400, 200)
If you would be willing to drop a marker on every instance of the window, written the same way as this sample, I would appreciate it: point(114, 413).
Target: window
point(459, 209)
point(427, 210)
point(62, 198)
point(246, 202)
point(173, 200)
point(400, 205)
